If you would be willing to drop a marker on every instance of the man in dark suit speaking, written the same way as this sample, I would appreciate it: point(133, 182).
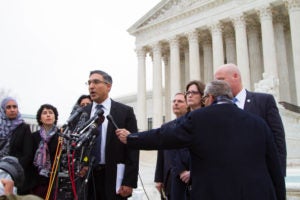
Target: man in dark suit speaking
point(233, 154)
point(111, 156)
point(260, 104)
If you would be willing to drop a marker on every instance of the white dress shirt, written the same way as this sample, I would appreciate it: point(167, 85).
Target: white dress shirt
point(241, 98)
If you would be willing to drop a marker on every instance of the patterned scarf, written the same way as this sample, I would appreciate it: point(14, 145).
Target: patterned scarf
point(42, 155)
point(6, 127)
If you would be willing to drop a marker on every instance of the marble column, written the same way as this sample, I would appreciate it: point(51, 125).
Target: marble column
point(194, 55)
point(182, 71)
point(255, 53)
point(142, 93)
point(288, 42)
point(186, 66)
point(217, 45)
point(207, 59)
point(174, 67)
point(157, 99)
point(242, 49)
point(168, 108)
point(294, 14)
point(230, 46)
point(270, 82)
point(281, 52)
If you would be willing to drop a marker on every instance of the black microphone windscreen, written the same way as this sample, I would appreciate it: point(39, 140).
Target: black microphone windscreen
point(111, 119)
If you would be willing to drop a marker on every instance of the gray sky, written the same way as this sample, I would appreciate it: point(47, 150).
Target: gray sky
point(48, 48)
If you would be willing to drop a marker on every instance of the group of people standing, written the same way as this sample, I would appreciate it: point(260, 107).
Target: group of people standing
point(212, 150)
point(35, 151)
point(236, 143)
point(109, 171)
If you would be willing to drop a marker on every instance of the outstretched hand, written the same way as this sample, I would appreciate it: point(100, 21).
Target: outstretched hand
point(8, 186)
point(122, 135)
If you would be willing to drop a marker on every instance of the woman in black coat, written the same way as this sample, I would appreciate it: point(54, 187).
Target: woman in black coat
point(45, 144)
point(16, 140)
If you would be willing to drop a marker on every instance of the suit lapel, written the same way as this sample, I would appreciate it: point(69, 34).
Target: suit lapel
point(249, 101)
point(110, 127)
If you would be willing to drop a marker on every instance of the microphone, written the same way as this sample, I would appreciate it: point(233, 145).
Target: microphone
point(81, 122)
point(88, 134)
point(111, 119)
point(97, 115)
point(76, 111)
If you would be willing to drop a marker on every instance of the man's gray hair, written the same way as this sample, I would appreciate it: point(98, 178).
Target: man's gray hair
point(107, 78)
point(218, 88)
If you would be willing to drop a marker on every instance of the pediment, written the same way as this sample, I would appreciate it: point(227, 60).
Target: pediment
point(170, 9)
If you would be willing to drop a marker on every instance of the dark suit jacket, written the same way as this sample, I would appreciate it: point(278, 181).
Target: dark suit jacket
point(116, 152)
point(169, 165)
point(264, 105)
point(233, 154)
point(163, 169)
point(21, 144)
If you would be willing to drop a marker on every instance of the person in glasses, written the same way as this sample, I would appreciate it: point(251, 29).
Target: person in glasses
point(109, 155)
point(16, 139)
point(181, 184)
point(233, 153)
point(193, 94)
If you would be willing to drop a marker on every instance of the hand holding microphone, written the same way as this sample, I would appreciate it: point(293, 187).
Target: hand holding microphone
point(121, 133)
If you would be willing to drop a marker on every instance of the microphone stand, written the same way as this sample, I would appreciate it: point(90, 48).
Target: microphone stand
point(91, 160)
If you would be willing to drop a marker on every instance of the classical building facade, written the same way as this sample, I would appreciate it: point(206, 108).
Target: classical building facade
point(189, 39)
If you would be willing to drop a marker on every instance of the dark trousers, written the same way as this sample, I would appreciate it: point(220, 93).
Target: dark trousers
point(96, 189)
point(97, 184)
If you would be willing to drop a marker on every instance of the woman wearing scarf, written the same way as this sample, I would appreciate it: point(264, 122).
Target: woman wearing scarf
point(45, 143)
point(15, 139)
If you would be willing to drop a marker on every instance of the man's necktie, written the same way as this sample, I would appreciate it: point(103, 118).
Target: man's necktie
point(234, 100)
point(98, 139)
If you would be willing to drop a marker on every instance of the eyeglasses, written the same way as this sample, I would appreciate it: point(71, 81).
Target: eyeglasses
point(95, 82)
point(11, 106)
point(191, 92)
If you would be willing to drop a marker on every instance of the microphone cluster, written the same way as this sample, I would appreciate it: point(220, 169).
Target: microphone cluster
point(83, 131)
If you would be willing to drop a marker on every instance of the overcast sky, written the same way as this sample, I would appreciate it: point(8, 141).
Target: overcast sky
point(48, 48)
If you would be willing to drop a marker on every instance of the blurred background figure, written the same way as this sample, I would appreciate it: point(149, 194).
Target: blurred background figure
point(15, 139)
point(84, 100)
point(10, 172)
point(45, 144)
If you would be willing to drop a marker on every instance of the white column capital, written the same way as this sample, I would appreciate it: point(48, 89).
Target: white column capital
point(141, 52)
point(292, 4)
point(216, 28)
point(239, 21)
point(156, 47)
point(265, 12)
point(192, 36)
point(174, 42)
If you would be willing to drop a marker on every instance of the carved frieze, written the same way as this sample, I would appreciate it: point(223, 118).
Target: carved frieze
point(176, 9)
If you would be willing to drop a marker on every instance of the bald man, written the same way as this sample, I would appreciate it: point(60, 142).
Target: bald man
point(261, 104)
